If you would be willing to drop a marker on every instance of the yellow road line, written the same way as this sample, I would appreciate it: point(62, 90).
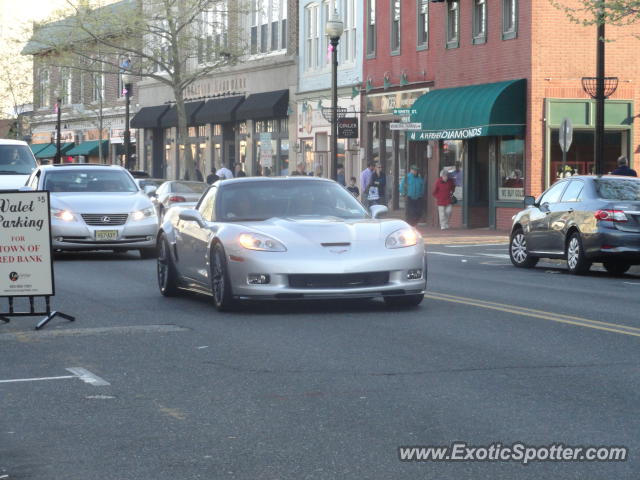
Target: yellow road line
point(530, 312)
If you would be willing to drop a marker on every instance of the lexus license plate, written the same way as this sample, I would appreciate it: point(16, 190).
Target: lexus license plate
point(106, 235)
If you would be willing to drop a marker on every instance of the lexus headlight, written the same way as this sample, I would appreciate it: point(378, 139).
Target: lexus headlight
point(64, 215)
point(145, 213)
point(257, 241)
point(405, 237)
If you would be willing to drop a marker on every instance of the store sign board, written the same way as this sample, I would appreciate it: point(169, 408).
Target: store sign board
point(348, 127)
point(25, 244)
point(405, 126)
point(460, 134)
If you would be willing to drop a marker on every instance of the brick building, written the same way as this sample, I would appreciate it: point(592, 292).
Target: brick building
point(502, 75)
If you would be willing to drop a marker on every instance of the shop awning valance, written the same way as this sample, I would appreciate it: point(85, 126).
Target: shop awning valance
point(38, 147)
point(489, 109)
point(265, 105)
point(149, 117)
point(50, 150)
point(170, 119)
point(89, 148)
point(218, 110)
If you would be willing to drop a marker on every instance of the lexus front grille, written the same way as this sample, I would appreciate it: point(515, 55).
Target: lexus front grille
point(99, 219)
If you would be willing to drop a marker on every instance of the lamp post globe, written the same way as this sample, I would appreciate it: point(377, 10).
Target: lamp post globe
point(334, 29)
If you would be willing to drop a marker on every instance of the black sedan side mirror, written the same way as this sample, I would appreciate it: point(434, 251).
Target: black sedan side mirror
point(529, 201)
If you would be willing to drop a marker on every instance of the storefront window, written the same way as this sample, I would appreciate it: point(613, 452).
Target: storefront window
point(452, 155)
point(511, 168)
point(284, 157)
point(243, 154)
point(580, 155)
point(307, 149)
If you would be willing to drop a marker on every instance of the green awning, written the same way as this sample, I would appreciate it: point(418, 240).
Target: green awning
point(38, 147)
point(50, 150)
point(89, 148)
point(489, 109)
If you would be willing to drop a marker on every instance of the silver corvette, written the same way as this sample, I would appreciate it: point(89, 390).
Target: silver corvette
point(288, 238)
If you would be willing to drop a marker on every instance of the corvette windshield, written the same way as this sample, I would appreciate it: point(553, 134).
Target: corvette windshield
point(261, 200)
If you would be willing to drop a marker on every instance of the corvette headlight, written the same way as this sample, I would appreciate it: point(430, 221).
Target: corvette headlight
point(405, 237)
point(145, 213)
point(257, 241)
point(64, 215)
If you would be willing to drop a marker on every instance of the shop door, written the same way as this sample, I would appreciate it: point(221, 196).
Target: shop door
point(478, 185)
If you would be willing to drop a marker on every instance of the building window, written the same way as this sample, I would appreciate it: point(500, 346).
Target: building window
point(347, 48)
point(395, 26)
point(423, 23)
point(160, 45)
point(44, 89)
point(312, 23)
point(65, 86)
point(268, 26)
point(479, 21)
point(97, 87)
point(371, 28)
point(511, 169)
point(453, 23)
point(509, 19)
point(325, 57)
point(212, 40)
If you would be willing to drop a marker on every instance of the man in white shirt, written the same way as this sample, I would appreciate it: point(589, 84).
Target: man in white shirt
point(224, 173)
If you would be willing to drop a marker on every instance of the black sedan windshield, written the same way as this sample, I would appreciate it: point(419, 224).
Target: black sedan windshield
point(618, 188)
point(89, 180)
point(261, 200)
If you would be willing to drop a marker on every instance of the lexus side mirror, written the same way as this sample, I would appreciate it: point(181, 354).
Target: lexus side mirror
point(150, 190)
point(377, 210)
point(529, 201)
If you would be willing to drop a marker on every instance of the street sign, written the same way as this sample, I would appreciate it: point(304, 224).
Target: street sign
point(565, 135)
point(403, 112)
point(405, 126)
point(348, 127)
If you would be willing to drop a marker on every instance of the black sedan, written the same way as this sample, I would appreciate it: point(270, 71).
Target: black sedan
point(583, 219)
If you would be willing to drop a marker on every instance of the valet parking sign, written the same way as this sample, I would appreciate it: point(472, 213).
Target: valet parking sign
point(25, 245)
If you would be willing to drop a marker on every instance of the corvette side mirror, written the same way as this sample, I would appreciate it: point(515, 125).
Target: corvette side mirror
point(377, 210)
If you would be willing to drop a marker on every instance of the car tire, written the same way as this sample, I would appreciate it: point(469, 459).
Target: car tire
point(160, 214)
point(220, 283)
point(518, 252)
point(577, 262)
point(166, 270)
point(146, 253)
point(404, 301)
point(616, 268)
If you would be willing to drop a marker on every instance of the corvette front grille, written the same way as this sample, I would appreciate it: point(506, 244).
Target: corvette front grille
point(339, 280)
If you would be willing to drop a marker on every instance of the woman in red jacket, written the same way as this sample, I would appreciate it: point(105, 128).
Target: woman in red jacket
point(442, 191)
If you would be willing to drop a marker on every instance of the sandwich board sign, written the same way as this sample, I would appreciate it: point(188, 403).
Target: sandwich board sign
point(26, 266)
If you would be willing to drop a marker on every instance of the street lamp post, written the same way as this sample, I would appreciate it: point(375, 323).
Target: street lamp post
point(58, 157)
point(127, 81)
point(334, 29)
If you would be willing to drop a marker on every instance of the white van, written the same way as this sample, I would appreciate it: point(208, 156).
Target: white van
point(16, 164)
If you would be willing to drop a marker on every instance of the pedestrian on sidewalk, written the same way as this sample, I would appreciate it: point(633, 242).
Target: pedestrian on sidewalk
point(412, 187)
point(365, 179)
point(353, 188)
point(443, 191)
point(377, 186)
point(623, 168)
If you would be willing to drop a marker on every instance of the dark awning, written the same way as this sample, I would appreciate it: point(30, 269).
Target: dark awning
point(38, 147)
point(264, 105)
point(149, 117)
point(170, 119)
point(89, 148)
point(489, 109)
point(50, 150)
point(218, 110)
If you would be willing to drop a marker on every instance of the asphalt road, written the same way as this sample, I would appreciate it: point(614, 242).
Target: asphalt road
point(173, 390)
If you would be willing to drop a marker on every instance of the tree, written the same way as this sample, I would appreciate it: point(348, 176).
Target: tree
point(610, 12)
point(15, 83)
point(174, 42)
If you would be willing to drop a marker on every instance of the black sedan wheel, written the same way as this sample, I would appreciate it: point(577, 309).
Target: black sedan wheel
point(577, 262)
point(167, 274)
point(518, 252)
point(616, 268)
point(220, 285)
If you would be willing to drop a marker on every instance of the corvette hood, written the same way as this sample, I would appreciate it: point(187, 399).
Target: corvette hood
point(12, 182)
point(100, 202)
point(326, 230)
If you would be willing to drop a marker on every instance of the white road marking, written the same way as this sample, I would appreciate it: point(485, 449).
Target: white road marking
point(477, 245)
point(447, 254)
point(38, 379)
point(87, 377)
point(495, 255)
point(632, 283)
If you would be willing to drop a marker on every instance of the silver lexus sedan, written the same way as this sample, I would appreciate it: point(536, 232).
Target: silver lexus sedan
point(97, 207)
point(288, 238)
